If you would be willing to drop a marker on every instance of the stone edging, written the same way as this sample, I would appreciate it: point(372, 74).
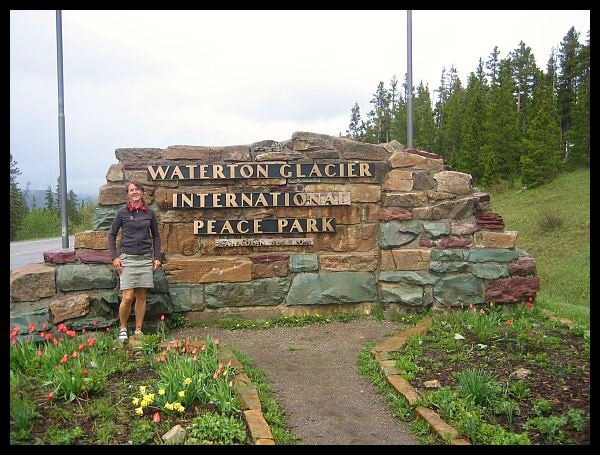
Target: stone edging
point(394, 376)
point(259, 429)
point(381, 353)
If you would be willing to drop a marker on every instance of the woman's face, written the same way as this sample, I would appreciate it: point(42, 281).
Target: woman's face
point(134, 193)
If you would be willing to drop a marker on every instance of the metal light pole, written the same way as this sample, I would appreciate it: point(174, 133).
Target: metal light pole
point(409, 124)
point(61, 134)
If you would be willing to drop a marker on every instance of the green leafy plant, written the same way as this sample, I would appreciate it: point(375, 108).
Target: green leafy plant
point(541, 407)
point(478, 385)
point(550, 428)
point(212, 428)
point(142, 431)
point(66, 436)
point(575, 419)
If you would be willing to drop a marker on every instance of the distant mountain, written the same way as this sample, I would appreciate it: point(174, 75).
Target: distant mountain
point(40, 198)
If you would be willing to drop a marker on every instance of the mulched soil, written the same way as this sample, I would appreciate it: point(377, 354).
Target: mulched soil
point(559, 374)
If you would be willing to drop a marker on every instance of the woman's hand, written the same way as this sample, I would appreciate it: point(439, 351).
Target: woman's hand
point(117, 265)
point(156, 264)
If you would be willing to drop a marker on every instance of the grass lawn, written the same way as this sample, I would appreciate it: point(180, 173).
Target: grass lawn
point(553, 222)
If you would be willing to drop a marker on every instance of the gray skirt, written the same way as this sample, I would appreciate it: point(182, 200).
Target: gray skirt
point(137, 271)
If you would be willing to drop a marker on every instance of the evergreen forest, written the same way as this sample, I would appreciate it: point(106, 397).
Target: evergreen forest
point(510, 121)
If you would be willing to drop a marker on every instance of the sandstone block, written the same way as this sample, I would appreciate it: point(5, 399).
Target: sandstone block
point(138, 154)
point(398, 180)
point(453, 182)
point(355, 237)
point(360, 150)
point(463, 227)
point(207, 270)
point(115, 173)
point(236, 153)
point(178, 238)
point(353, 262)
point(365, 193)
point(422, 180)
point(94, 240)
point(257, 425)
point(411, 259)
point(200, 153)
point(413, 199)
point(69, 306)
point(490, 239)
point(249, 399)
point(406, 159)
point(32, 282)
point(270, 269)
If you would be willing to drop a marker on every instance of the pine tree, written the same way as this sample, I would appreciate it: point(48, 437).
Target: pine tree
point(501, 149)
point(541, 156)
point(424, 138)
point(379, 119)
point(524, 70)
point(579, 134)
point(72, 207)
point(50, 202)
point(468, 157)
point(18, 204)
point(356, 127)
point(567, 83)
point(493, 66)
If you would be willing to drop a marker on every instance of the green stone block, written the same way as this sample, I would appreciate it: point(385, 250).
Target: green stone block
point(187, 297)
point(436, 229)
point(447, 255)
point(304, 263)
point(263, 292)
point(420, 278)
point(26, 313)
point(488, 271)
point(457, 289)
point(395, 233)
point(305, 289)
point(78, 277)
point(161, 285)
point(403, 293)
point(348, 287)
point(448, 267)
point(491, 255)
point(103, 218)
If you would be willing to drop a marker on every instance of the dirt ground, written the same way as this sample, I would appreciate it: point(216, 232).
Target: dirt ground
point(314, 375)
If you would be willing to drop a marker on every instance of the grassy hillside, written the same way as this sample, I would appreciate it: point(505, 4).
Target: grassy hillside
point(554, 227)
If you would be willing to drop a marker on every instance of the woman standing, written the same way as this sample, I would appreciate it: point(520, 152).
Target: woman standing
point(140, 255)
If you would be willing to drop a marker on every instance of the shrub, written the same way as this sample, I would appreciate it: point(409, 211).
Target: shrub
point(478, 385)
point(39, 224)
point(213, 428)
point(549, 221)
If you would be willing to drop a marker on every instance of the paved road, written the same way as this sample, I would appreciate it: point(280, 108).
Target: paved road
point(22, 253)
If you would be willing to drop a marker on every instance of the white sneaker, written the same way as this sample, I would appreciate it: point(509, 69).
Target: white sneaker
point(123, 335)
point(137, 333)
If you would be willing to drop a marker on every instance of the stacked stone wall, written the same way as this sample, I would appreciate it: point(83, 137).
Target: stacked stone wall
point(415, 235)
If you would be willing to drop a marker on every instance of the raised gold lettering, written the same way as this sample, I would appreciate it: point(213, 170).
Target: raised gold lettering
point(246, 200)
point(281, 223)
point(351, 170)
point(159, 171)
point(177, 171)
point(275, 197)
point(327, 170)
point(261, 170)
point(218, 171)
point(296, 226)
point(327, 227)
point(210, 229)
point(198, 224)
point(191, 168)
point(175, 200)
point(261, 199)
point(299, 170)
point(187, 199)
point(300, 199)
point(287, 174)
point(315, 170)
point(239, 227)
point(203, 169)
point(230, 200)
point(257, 227)
point(202, 197)
point(246, 171)
point(311, 225)
point(216, 197)
point(227, 227)
point(364, 170)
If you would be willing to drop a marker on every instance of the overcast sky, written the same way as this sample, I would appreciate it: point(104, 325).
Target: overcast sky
point(160, 78)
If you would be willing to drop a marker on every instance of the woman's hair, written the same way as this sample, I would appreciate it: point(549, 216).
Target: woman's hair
point(138, 185)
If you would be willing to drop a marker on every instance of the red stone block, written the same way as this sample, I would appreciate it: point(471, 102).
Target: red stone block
point(94, 257)
point(523, 265)
point(489, 220)
point(508, 290)
point(269, 258)
point(394, 213)
point(59, 257)
point(453, 242)
point(423, 153)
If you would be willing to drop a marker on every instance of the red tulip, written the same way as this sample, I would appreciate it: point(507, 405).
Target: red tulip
point(162, 318)
point(50, 396)
point(91, 341)
point(85, 372)
point(75, 354)
point(40, 353)
point(31, 327)
point(64, 359)
point(156, 417)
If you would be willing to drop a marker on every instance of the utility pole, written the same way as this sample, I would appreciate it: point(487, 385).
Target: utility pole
point(61, 134)
point(409, 123)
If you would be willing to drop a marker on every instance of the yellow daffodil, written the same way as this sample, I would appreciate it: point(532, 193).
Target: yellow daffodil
point(135, 401)
point(161, 391)
point(150, 397)
point(169, 406)
point(144, 403)
point(187, 381)
point(143, 389)
point(181, 394)
point(139, 411)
